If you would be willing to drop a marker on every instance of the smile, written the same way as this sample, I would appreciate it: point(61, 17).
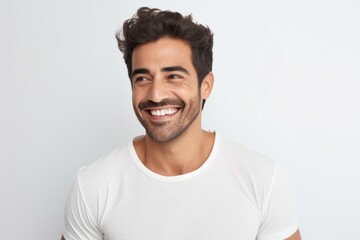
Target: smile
point(163, 112)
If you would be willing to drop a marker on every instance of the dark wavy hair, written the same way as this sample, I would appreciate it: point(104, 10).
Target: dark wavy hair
point(151, 24)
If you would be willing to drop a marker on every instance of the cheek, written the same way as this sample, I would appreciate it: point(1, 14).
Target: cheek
point(185, 92)
point(136, 96)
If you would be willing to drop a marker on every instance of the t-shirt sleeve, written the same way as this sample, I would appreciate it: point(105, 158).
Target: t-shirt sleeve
point(79, 222)
point(279, 218)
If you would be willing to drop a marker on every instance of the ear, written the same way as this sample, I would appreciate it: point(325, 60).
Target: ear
point(206, 85)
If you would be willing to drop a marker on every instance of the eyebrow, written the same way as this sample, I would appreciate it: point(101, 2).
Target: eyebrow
point(140, 71)
point(175, 68)
point(165, 69)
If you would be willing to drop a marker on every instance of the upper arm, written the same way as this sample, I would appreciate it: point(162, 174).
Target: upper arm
point(279, 214)
point(80, 222)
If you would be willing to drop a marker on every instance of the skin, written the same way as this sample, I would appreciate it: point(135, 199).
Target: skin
point(162, 148)
point(295, 236)
point(163, 71)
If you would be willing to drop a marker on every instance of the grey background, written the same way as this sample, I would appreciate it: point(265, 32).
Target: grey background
point(286, 85)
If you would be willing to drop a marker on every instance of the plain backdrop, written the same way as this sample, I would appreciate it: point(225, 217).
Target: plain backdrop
point(286, 85)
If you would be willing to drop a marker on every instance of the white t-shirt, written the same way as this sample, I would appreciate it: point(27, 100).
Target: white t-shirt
point(236, 194)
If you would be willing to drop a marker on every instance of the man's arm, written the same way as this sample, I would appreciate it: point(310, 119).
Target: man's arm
point(295, 236)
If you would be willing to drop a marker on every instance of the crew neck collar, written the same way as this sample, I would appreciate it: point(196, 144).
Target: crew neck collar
point(176, 178)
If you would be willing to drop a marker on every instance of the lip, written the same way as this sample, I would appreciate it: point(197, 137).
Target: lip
point(162, 107)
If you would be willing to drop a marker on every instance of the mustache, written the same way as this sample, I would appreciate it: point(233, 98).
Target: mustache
point(165, 102)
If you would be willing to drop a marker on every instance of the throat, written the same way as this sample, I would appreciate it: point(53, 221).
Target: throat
point(174, 159)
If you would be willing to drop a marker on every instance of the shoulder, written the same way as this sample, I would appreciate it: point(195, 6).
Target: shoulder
point(106, 163)
point(91, 193)
point(105, 172)
point(246, 160)
point(254, 172)
point(97, 184)
point(265, 181)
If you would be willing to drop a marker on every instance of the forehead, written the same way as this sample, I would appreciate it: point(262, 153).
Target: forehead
point(161, 53)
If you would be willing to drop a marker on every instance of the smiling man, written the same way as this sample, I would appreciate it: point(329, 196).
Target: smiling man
point(177, 181)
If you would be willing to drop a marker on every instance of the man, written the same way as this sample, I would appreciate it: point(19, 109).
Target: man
point(178, 181)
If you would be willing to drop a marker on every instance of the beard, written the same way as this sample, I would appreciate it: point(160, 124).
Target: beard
point(168, 131)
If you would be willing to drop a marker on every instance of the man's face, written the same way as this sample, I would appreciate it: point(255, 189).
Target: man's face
point(166, 95)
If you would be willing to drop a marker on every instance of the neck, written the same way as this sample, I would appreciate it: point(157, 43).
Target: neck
point(184, 154)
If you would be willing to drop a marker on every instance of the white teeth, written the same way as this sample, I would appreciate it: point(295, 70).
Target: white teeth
point(163, 112)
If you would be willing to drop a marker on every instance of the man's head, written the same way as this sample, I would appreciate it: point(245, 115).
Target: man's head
point(149, 25)
point(169, 61)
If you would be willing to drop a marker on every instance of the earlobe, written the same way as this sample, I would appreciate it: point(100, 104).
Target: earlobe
point(207, 85)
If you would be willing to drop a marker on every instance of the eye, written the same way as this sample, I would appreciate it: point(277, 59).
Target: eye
point(175, 76)
point(140, 79)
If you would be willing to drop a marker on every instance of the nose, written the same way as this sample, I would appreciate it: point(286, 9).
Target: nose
point(158, 90)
